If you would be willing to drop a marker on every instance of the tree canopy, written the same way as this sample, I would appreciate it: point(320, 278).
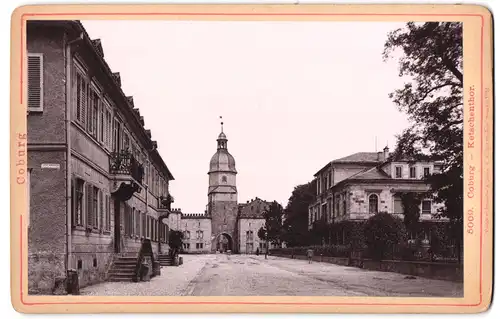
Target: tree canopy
point(295, 226)
point(274, 223)
point(432, 58)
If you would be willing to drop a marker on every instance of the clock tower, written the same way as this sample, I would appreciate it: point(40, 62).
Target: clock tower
point(223, 197)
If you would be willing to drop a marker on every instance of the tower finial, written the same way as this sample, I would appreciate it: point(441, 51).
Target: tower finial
point(221, 124)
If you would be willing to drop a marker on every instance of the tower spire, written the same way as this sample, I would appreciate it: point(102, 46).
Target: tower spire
point(222, 140)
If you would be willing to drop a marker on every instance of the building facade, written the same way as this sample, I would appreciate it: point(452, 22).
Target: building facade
point(98, 186)
point(356, 187)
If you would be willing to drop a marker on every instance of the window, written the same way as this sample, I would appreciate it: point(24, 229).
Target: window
point(330, 209)
point(108, 123)
point(337, 205)
point(132, 221)
point(137, 223)
point(77, 203)
point(199, 234)
point(344, 202)
point(143, 234)
point(224, 179)
point(126, 141)
point(107, 214)
point(93, 113)
point(399, 171)
point(95, 207)
point(373, 204)
point(427, 171)
point(398, 205)
point(102, 124)
point(81, 98)
point(90, 205)
point(116, 135)
point(413, 172)
point(426, 206)
point(35, 82)
point(101, 211)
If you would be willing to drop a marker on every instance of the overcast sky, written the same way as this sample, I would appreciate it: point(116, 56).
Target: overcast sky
point(293, 96)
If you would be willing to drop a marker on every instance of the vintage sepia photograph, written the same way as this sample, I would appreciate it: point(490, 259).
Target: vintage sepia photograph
point(245, 158)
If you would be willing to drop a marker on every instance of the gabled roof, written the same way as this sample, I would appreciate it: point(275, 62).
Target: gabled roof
point(371, 173)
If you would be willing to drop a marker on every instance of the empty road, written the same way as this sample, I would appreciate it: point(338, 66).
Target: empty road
point(250, 275)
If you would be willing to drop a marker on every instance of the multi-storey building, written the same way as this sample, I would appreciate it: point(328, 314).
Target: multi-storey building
point(98, 186)
point(357, 186)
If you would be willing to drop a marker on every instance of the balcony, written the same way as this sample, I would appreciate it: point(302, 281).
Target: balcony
point(126, 174)
point(165, 202)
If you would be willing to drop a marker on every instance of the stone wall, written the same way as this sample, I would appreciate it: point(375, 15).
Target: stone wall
point(433, 270)
point(223, 217)
point(46, 221)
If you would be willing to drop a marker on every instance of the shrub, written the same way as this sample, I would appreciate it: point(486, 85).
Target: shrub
point(382, 232)
point(327, 251)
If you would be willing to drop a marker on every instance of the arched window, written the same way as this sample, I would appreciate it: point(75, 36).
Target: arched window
point(373, 204)
point(224, 179)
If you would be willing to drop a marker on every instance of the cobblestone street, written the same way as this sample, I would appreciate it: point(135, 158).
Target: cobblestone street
point(243, 275)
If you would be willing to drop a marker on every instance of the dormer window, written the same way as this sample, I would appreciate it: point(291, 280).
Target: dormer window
point(399, 171)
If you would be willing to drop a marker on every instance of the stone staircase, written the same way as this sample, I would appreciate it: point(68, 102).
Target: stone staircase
point(165, 260)
point(123, 269)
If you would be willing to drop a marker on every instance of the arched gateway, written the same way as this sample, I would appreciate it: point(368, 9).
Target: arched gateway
point(223, 242)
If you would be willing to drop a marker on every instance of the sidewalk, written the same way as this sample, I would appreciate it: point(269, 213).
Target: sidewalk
point(173, 281)
point(369, 282)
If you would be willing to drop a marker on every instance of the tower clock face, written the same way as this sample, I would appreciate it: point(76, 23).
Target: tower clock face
point(224, 179)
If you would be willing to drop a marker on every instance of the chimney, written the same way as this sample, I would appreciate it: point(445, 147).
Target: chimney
point(386, 153)
point(379, 156)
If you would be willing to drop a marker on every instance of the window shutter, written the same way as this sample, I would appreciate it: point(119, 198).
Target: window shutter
point(89, 205)
point(84, 101)
point(35, 82)
point(101, 210)
point(73, 203)
point(108, 213)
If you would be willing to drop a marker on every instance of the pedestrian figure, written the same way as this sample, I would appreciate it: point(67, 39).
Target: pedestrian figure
point(257, 252)
point(310, 255)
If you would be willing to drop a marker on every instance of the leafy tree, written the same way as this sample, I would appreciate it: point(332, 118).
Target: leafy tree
point(274, 223)
point(411, 210)
point(381, 232)
point(432, 56)
point(320, 232)
point(175, 238)
point(438, 240)
point(295, 226)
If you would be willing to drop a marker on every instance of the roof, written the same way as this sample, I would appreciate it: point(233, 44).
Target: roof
point(370, 173)
point(222, 161)
point(253, 209)
point(357, 158)
point(363, 157)
point(95, 46)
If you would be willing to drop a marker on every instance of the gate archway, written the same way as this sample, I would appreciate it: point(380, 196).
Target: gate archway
point(223, 242)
